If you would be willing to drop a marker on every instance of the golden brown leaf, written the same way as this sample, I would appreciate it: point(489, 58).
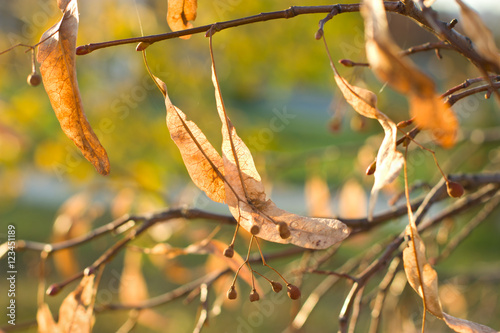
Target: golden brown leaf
point(429, 111)
point(389, 159)
point(180, 12)
point(56, 56)
point(318, 197)
point(202, 161)
point(352, 200)
point(247, 200)
point(465, 326)
point(133, 287)
point(417, 269)
point(45, 321)
point(480, 34)
point(76, 311)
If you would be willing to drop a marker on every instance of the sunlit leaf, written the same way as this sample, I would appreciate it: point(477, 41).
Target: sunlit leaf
point(202, 161)
point(419, 271)
point(247, 200)
point(133, 287)
point(76, 311)
point(318, 197)
point(480, 34)
point(180, 12)
point(465, 326)
point(389, 159)
point(429, 111)
point(56, 56)
point(45, 321)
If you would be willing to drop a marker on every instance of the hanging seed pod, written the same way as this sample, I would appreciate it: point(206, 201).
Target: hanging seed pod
point(231, 293)
point(254, 296)
point(293, 291)
point(277, 287)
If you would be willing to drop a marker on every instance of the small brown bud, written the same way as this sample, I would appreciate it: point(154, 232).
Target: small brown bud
point(82, 50)
point(277, 287)
point(254, 296)
point(455, 190)
point(229, 252)
point(318, 34)
point(283, 230)
point(34, 79)
point(142, 46)
point(293, 291)
point(255, 229)
point(231, 293)
point(346, 62)
point(53, 290)
point(371, 168)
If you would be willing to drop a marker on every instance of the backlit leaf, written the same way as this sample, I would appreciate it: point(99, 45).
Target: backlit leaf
point(429, 111)
point(133, 287)
point(465, 326)
point(56, 56)
point(247, 200)
point(389, 159)
point(417, 269)
point(480, 34)
point(202, 161)
point(180, 12)
point(76, 311)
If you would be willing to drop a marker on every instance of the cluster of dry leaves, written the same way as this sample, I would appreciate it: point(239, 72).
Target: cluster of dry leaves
point(233, 178)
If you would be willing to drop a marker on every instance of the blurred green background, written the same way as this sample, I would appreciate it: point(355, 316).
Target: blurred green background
point(266, 70)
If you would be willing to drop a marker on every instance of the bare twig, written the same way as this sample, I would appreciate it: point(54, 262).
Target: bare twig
point(283, 14)
point(486, 87)
point(168, 297)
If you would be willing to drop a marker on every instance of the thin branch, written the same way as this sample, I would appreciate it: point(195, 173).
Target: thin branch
point(412, 50)
point(467, 83)
point(383, 288)
point(293, 11)
point(486, 87)
point(168, 297)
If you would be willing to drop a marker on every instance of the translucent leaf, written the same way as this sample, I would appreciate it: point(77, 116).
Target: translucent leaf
point(247, 200)
point(202, 161)
point(429, 111)
point(56, 56)
point(479, 33)
point(45, 321)
point(133, 287)
point(465, 326)
point(318, 197)
point(417, 269)
point(76, 311)
point(389, 159)
point(180, 12)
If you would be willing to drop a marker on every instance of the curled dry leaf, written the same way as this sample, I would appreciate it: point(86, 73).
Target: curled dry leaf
point(480, 34)
point(180, 12)
point(465, 326)
point(247, 201)
point(203, 162)
point(419, 271)
point(75, 313)
point(56, 56)
point(389, 159)
point(426, 107)
point(133, 287)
